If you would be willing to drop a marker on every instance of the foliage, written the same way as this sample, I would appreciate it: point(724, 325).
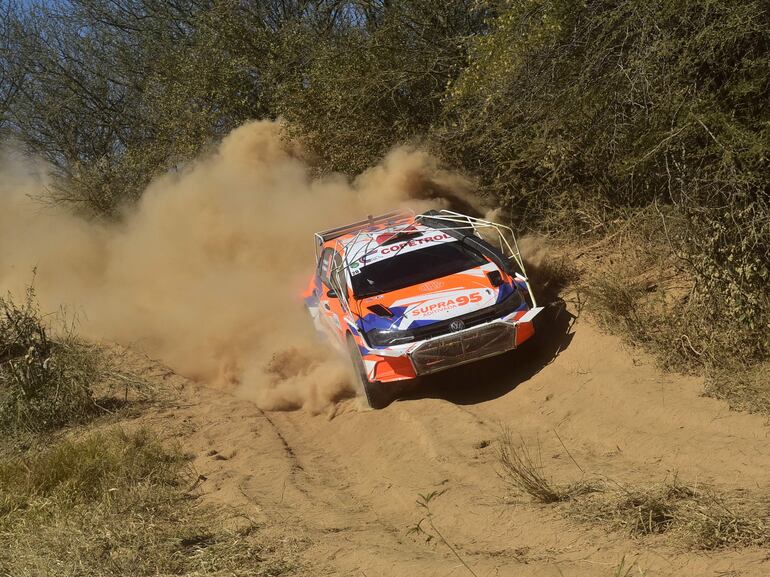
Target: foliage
point(113, 93)
point(606, 102)
point(570, 114)
point(366, 88)
point(44, 383)
point(116, 92)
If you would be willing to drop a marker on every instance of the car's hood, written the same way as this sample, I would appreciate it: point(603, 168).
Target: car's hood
point(436, 300)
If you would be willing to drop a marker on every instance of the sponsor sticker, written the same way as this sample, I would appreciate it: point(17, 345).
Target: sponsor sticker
point(443, 306)
point(385, 251)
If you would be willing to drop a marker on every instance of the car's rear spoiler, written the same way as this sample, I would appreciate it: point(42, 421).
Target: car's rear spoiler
point(327, 235)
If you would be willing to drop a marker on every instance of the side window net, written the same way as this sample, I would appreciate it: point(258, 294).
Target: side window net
point(338, 274)
point(324, 265)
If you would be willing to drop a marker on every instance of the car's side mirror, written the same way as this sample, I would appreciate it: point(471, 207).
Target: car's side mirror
point(332, 294)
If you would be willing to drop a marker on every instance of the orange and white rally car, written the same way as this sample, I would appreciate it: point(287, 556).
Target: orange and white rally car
point(406, 295)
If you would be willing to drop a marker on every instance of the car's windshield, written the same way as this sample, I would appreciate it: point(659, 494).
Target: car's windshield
point(414, 267)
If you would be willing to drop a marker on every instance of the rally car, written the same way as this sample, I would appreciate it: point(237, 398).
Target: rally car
point(406, 295)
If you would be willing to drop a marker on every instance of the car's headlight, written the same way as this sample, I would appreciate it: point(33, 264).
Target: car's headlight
point(384, 338)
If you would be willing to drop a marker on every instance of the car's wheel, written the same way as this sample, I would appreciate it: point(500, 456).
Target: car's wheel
point(371, 392)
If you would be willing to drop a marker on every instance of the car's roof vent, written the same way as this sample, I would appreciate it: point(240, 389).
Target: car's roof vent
point(380, 310)
point(495, 277)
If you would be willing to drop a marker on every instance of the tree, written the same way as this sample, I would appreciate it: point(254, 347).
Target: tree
point(377, 81)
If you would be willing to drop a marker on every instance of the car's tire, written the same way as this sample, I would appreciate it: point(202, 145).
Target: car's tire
point(371, 392)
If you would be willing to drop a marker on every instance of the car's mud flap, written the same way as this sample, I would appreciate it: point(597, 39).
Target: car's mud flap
point(550, 322)
point(525, 326)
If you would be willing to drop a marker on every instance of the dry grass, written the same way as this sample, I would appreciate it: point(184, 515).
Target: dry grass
point(657, 317)
point(100, 504)
point(116, 504)
point(699, 517)
point(49, 382)
point(630, 299)
point(615, 302)
point(523, 472)
point(426, 527)
point(632, 282)
point(89, 468)
point(638, 285)
point(745, 389)
point(550, 275)
point(625, 569)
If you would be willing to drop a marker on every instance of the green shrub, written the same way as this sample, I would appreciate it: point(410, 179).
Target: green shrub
point(357, 92)
point(575, 113)
point(45, 383)
point(727, 243)
point(571, 115)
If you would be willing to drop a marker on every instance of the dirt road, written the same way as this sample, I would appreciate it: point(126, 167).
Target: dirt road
point(344, 489)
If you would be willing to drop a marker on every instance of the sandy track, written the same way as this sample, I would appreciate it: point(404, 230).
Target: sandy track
point(344, 489)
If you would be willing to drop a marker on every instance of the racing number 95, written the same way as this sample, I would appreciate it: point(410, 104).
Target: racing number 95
point(463, 300)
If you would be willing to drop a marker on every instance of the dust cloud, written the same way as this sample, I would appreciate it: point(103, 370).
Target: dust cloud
point(207, 270)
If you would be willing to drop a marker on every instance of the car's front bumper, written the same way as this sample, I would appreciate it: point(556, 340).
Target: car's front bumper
point(449, 350)
point(463, 347)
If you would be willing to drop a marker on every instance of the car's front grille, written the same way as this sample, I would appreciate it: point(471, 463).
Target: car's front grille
point(462, 347)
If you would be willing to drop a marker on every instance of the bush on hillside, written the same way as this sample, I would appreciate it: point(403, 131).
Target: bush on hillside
point(574, 113)
point(45, 383)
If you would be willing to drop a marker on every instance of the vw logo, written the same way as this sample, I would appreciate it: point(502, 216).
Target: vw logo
point(455, 326)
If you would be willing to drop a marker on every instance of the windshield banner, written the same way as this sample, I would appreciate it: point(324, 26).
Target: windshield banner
point(388, 244)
